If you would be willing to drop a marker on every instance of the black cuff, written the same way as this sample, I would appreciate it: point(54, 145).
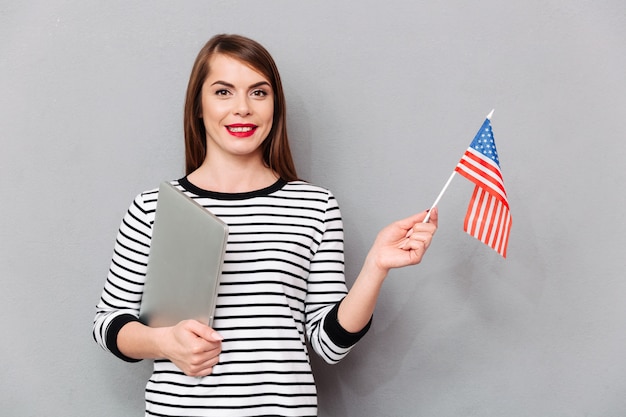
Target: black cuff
point(114, 328)
point(340, 336)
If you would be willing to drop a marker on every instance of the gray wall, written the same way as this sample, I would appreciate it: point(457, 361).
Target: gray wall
point(383, 99)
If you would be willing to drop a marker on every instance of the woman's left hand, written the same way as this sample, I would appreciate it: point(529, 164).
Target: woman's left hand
point(404, 242)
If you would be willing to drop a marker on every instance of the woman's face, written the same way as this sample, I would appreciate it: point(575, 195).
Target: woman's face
point(237, 108)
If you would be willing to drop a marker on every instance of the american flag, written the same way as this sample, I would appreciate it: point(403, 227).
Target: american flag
point(488, 218)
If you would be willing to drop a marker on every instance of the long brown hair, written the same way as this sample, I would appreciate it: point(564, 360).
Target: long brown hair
point(276, 151)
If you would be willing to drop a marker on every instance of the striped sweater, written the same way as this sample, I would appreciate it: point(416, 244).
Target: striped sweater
point(282, 281)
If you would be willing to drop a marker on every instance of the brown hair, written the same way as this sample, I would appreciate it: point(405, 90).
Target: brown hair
point(276, 151)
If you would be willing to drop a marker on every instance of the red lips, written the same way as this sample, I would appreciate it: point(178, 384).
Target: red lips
point(241, 130)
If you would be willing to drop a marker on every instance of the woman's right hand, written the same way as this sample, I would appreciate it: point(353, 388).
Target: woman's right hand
point(192, 346)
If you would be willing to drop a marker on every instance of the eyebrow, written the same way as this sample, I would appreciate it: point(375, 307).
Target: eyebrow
point(255, 85)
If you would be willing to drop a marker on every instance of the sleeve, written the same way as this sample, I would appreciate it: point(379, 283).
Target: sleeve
point(121, 297)
point(326, 290)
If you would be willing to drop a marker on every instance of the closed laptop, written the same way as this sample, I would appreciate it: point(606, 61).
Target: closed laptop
point(185, 261)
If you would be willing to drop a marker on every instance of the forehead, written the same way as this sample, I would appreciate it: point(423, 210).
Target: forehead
point(228, 68)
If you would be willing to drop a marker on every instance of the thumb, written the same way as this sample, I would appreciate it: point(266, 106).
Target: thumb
point(214, 336)
point(409, 222)
point(205, 332)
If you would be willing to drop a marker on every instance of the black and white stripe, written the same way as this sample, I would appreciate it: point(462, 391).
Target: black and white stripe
point(283, 277)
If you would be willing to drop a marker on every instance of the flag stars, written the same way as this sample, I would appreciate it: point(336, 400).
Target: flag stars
point(485, 144)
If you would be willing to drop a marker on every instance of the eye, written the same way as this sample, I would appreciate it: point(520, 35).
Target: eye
point(222, 92)
point(259, 93)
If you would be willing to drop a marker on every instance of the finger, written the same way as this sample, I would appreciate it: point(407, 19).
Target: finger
point(201, 351)
point(416, 241)
point(423, 235)
point(205, 359)
point(423, 230)
point(415, 252)
point(434, 216)
point(410, 222)
point(213, 336)
point(204, 366)
point(203, 331)
point(417, 244)
point(200, 371)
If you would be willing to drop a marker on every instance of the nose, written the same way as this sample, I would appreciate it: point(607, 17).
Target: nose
point(242, 106)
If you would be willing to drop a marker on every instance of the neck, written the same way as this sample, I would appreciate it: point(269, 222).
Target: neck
point(233, 177)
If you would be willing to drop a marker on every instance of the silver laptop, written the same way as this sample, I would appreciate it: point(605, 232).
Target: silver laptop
point(185, 262)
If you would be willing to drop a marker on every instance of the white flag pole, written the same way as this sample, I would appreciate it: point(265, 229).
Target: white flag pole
point(445, 187)
point(443, 190)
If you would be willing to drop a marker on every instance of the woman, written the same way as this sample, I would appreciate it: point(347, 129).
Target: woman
point(283, 277)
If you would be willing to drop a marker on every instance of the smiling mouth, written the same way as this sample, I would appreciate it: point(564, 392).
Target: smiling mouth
point(240, 129)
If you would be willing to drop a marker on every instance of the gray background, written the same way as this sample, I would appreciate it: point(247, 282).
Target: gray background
point(383, 99)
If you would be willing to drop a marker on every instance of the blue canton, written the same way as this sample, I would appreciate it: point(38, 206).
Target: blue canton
point(484, 143)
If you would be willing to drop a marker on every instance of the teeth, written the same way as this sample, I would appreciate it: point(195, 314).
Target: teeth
point(240, 129)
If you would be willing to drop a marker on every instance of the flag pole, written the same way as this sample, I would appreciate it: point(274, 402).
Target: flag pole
point(443, 190)
point(445, 187)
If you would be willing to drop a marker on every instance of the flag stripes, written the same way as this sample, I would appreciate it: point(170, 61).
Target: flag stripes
point(488, 218)
point(483, 172)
